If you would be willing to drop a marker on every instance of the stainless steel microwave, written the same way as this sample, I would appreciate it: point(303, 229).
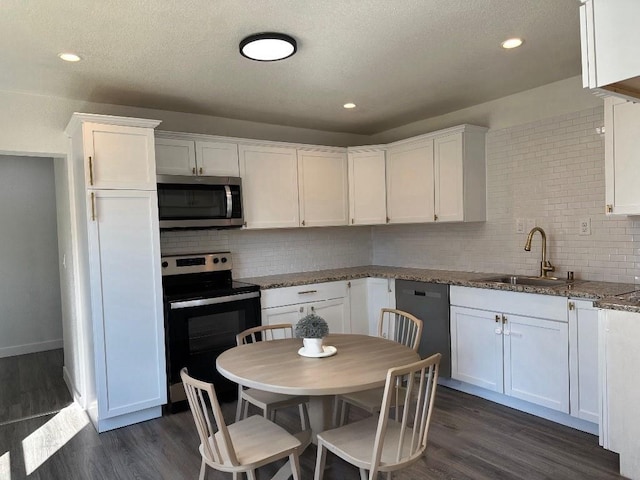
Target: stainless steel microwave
point(186, 202)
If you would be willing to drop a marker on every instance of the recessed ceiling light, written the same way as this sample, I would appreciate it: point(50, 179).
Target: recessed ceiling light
point(268, 47)
point(349, 105)
point(69, 57)
point(512, 43)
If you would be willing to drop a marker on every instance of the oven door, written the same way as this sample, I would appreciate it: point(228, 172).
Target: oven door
point(199, 202)
point(200, 330)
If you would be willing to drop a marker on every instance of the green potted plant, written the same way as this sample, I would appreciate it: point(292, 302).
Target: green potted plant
point(312, 329)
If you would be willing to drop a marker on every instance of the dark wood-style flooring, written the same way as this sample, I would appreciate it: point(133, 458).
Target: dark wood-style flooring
point(470, 438)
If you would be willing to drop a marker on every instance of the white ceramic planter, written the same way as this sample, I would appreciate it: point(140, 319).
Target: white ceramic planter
point(312, 345)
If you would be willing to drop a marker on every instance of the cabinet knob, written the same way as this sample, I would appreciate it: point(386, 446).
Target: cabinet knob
point(193, 170)
point(435, 217)
point(201, 171)
point(353, 221)
point(301, 309)
point(303, 224)
point(609, 208)
point(388, 219)
point(572, 306)
point(497, 318)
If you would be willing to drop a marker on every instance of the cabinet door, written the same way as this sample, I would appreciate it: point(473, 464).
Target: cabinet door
point(476, 348)
point(126, 301)
point(367, 188)
point(217, 159)
point(270, 186)
point(448, 165)
point(536, 361)
point(119, 157)
point(410, 183)
point(358, 306)
point(622, 161)
point(288, 314)
point(583, 360)
point(322, 188)
point(175, 157)
point(381, 295)
point(335, 312)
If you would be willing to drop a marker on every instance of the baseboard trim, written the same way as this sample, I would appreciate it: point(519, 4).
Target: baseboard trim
point(30, 348)
point(523, 406)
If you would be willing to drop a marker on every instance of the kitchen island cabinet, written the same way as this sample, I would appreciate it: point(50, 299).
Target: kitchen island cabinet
point(119, 333)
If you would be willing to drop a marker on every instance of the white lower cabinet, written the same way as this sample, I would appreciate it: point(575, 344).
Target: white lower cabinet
point(495, 346)
point(367, 296)
point(328, 300)
point(583, 359)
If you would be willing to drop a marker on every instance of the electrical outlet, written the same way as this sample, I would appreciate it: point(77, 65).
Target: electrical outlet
point(585, 226)
point(519, 225)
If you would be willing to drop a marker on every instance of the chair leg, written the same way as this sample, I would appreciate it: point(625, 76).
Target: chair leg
point(251, 474)
point(236, 476)
point(321, 459)
point(294, 460)
point(304, 416)
point(336, 411)
point(239, 408)
point(363, 474)
point(246, 409)
point(344, 414)
point(203, 470)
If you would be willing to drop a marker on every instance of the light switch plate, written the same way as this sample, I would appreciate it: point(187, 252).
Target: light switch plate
point(519, 225)
point(585, 226)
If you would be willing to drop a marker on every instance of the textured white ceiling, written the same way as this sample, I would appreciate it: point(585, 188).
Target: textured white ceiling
point(398, 60)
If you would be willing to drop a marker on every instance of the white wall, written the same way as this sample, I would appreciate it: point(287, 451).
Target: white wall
point(30, 311)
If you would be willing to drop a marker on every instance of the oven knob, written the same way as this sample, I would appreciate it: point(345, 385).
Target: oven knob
point(224, 259)
point(216, 260)
point(165, 264)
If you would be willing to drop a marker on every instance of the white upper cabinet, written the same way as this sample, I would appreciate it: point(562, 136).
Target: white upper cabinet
point(622, 156)
point(609, 33)
point(270, 186)
point(439, 177)
point(217, 159)
point(322, 188)
point(410, 182)
point(179, 156)
point(367, 187)
point(175, 157)
point(116, 156)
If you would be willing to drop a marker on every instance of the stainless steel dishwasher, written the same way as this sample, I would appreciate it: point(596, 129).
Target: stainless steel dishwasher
point(430, 303)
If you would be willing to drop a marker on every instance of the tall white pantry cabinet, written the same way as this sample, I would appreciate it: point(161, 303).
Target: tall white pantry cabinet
point(120, 328)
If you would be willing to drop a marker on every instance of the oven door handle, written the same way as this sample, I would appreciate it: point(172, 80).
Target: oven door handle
point(201, 302)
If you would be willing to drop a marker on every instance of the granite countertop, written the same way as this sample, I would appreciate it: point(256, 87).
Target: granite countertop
point(614, 296)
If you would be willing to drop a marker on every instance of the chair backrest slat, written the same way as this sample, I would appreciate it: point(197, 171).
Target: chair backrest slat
point(400, 326)
point(418, 382)
point(265, 333)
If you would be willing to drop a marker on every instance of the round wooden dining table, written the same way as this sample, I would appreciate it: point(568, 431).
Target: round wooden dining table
point(361, 362)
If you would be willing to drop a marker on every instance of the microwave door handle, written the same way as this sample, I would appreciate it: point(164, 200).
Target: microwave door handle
point(227, 191)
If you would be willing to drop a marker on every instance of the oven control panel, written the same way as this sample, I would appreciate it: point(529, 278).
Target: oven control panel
point(196, 263)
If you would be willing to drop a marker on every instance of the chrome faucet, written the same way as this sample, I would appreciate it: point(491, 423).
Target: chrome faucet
point(545, 265)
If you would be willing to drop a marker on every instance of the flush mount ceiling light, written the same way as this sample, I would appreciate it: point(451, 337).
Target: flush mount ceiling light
point(349, 105)
point(512, 43)
point(69, 57)
point(268, 47)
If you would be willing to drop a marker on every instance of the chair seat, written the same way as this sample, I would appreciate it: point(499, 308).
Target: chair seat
point(368, 400)
point(263, 399)
point(355, 442)
point(257, 441)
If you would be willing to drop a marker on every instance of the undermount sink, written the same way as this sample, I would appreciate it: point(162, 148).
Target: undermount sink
point(532, 281)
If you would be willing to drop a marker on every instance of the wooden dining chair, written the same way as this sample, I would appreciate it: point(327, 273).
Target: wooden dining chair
point(268, 402)
point(384, 444)
point(393, 324)
point(241, 447)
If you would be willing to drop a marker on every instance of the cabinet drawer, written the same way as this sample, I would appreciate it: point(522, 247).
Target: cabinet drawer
point(528, 304)
point(277, 297)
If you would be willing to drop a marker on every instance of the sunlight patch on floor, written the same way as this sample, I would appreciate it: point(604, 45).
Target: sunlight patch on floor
point(50, 437)
point(5, 466)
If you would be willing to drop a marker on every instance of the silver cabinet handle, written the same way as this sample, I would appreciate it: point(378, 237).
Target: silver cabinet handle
point(307, 291)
